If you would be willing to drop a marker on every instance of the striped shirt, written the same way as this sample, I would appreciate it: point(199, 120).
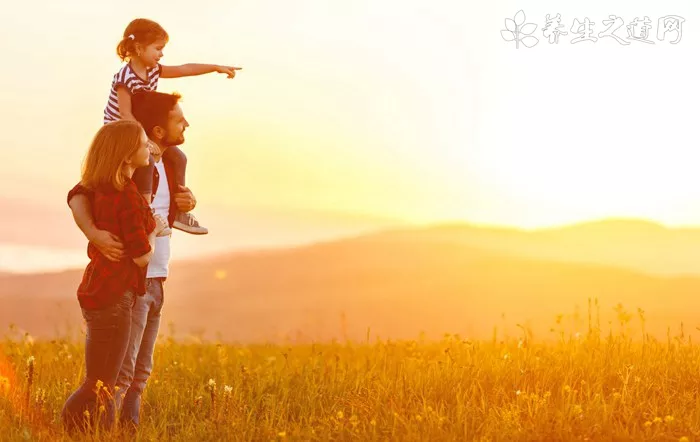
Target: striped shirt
point(127, 77)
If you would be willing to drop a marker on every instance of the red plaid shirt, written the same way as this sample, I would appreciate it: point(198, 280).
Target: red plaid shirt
point(125, 214)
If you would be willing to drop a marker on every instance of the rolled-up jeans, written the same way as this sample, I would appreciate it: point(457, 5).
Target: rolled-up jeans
point(138, 361)
point(106, 342)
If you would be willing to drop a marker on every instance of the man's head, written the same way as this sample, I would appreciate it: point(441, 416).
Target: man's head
point(161, 117)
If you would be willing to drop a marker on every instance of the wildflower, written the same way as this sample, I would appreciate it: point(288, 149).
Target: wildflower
point(282, 434)
point(99, 385)
point(517, 393)
point(657, 420)
point(616, 395)
point(4, 384)
point(567, 389)
point(668, 419)
point(212, 383)
point(40, 396)
point(30, 361)
point(419, 418)
point(86, 413)
point(228, 390)
point(506, 356)
point(340, 415)
point(577, 409)
point(116, 388)
point(683, 439)
point(647, 424)
point(373, 423)
point(102, 408)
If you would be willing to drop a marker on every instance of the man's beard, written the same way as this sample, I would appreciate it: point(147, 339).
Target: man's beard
point(168, 141)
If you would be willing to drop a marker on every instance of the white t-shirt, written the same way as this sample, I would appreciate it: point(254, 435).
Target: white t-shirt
point(158, 267)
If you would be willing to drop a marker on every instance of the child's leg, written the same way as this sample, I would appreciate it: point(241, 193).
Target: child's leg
point(143, 177)
point(177, 160)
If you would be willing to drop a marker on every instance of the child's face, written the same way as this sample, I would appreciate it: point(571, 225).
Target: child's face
point(152, 53)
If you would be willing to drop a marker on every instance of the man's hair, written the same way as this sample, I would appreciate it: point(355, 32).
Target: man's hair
point(113, 144)
point(151, 108)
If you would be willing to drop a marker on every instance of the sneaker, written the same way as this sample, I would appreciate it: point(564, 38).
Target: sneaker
point(188, 223)
point(167, 231)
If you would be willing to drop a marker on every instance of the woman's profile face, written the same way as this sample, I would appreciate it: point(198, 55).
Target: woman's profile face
point(141, 156)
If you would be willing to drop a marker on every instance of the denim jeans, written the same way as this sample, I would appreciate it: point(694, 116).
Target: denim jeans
point(138, 362)
point(143, 177)
point(106, 341)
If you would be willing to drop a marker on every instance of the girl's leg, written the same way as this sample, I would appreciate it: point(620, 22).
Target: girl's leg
point(105, 346)
point(177, 160)
point(143, 177)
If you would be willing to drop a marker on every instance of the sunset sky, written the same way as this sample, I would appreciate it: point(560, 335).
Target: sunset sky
point(361, 113)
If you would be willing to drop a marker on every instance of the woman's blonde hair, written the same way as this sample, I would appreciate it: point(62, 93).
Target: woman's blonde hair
point(113, 144)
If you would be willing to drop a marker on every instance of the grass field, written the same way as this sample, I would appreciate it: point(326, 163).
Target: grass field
point(579, 386)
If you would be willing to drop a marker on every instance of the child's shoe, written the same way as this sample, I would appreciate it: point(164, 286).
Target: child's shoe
point(188, 223)
point(167, 231)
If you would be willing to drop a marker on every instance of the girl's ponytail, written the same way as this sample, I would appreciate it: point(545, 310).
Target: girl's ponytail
point(126, 47)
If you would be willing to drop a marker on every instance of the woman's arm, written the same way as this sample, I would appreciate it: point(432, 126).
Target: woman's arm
point(144, 260)
point(160, 224)
point(192, 69)
point(137, 227)
point(107, 243)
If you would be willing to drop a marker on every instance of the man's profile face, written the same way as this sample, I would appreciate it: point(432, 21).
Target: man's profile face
point(175, 128)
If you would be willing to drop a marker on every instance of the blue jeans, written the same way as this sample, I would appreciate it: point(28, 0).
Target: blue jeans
point(105, 346)
point(138, 362)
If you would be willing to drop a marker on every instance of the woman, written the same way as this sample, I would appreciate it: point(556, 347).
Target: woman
point(108, 289)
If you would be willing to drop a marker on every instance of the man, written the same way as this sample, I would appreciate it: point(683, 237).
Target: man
point(164, 122)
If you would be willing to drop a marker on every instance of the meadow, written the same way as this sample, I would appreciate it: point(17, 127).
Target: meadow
point(612, 384)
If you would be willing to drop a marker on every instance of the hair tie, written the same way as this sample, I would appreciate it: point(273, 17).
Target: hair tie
point(131, 37)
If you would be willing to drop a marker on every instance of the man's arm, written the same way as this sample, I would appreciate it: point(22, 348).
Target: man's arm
point(107, 243)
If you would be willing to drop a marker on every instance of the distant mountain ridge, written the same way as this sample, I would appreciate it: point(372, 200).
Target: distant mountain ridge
point(454, 279)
